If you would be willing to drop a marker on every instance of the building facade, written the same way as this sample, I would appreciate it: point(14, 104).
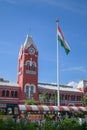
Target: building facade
point(27, 86)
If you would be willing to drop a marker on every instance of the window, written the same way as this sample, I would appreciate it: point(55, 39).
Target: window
point(29, 90)
point(33, 66)
point(74, 97)
point(27, 65)
point(3, 93)
point(16, 93)
point(32, 89)
point(79, 98)
point(7, 93)
point(61, 96)
point(68, 97)
point(30, 67)
point(65, 97)
point(12, 93)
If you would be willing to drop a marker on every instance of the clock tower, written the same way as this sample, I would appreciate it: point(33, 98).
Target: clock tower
point(28, 69)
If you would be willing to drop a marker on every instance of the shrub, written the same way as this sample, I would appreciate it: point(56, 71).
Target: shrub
point(65, 124)
point(68, 123)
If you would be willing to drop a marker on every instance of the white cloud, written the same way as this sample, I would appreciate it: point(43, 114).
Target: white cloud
point(78, 68)
point(72, 83)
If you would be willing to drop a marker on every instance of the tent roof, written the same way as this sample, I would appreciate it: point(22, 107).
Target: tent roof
point(45, 108)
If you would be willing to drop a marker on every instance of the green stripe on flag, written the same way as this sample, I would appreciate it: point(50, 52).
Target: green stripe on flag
point(63, 44)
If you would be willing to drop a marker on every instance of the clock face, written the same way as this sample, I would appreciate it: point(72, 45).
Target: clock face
point(31, 50)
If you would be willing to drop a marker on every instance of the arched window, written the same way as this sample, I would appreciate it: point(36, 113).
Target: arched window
point(32, 89)
point(3, 93)
point(7, 93)
point(62, 97)
point(27, 65)
point(65, 97)
point(77, 98)
point(16, 93)
point(30, 67)
point(12, 93)
point(71, 97)
point(33, 66)
point(68, 97)
point(74, 97)
point(29, 90)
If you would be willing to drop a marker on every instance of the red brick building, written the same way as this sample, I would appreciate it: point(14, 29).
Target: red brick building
point(27, 85)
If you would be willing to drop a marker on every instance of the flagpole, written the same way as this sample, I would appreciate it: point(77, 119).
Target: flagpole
point(58, 69)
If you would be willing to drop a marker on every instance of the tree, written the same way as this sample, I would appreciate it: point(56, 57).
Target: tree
point(55, 97)
point(44, 97)
point(85, 99)
point(31, 102)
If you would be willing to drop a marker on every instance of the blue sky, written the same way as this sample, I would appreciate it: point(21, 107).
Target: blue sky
point(37, 17)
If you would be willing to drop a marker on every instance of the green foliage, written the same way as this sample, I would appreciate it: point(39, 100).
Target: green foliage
point(44, 96)
point(31, 102)
point(69, 123)
point(55, 97)
point(49, 125)
point(79, 114)
point(83, 127)
point(2, 126)
point(11, 125)
point(65, 124)
point(85, 99)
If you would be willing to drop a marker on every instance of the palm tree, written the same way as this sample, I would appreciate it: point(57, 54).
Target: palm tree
point(85, 99)
point(55, 97)
point(44, 97)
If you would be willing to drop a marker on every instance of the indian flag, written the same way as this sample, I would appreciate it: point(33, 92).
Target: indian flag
point(63, 41)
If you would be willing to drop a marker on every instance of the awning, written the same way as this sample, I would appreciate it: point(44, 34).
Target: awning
point(44, 108)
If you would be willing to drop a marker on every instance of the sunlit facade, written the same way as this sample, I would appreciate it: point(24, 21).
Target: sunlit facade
point(28, 87)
